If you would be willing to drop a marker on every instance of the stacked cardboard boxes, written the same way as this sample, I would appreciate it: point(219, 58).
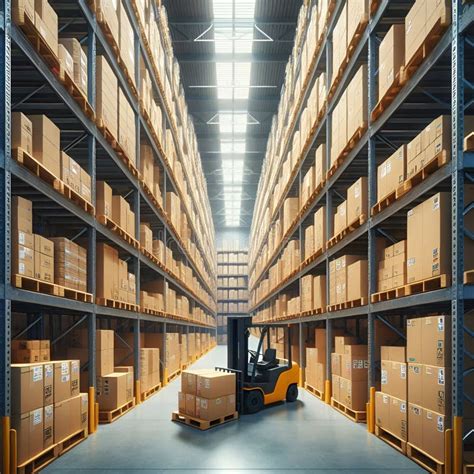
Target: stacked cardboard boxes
point(207, 394)
point(315, 371)
point(429, 383)
point(46, 23)
point(349, 373)
point(47, 406)
point(392, 270)
point(126, 127)
point(391, 173)
point(30, 351)
point(122, 215)
point(46, 143)
point(70, 264)
point(75, 176)
point(149, 368)
point(106, 107)
point(345, 269)
point(79, 61)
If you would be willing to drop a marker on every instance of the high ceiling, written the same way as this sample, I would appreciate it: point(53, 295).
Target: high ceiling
point(232, 56)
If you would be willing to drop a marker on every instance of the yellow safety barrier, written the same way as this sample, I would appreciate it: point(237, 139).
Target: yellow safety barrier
point(13, 452)
point(327, 392)
point(6, 443)
point(371, 413)
point(96, 416)
point(91, 410)
point(165, 377)
point(138, 395)
point(457, 444)
point(301, 381)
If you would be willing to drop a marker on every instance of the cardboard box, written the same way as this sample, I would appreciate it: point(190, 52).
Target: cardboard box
point(341, 341)
point(415, 424)
point(48, 383)
point(211, 409)
point(415, 383)
point(62, 380)
point(84, 411)
point(22, 132)
point(436, 389)
point(354, 365)
point(65, 412)
point(111, 390)
point(382, 410)
point(48, 426)
point(391, 173)
point(79, 58)
point(394, 379)
point(435, 341)
point(46, 143)
point(104, 202)
point(433, 437)
point(214, 385)
point(357, 280)
point(46, 22)
point(106, 95)
point(353, 394)
point(414, 340)
point(190, 404)
point(107, 271)
point(65, 60)
point(357, 201)
point(22, 214)
point(336, 364)
point(391, 57)
point(398, 418)
point(22, 9)
point(27, 387)
point(29, 427)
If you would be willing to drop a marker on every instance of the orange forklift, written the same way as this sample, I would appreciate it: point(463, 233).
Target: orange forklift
point(262, 378)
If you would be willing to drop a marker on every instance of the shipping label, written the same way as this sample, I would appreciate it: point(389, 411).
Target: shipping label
point(37, 374)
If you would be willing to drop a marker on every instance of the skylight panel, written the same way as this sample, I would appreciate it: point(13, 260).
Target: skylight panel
point(245, 9)
point(223, 9)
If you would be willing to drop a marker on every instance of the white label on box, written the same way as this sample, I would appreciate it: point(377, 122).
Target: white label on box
point(64, 378)
point(75, 367)
point(37, 374)
point(48, 370)
point(48, 412)
point(389, 168)
point(403, 371)
point(21, 267)
point(357, 191)
point(416, 369)
point(429, 415)
point(440, 376)
point(207, 383)
point(203, 403)
point(385, 398)
point(440, 324)
point(384, 377)
point(403, 407)
point(64, 368)
point(440, 424)
point(435, 203)
point(410, 213)
point(37, 416)
point(410, 262)
point(21, 238)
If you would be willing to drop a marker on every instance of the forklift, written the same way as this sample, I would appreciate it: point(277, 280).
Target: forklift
point(262, 379)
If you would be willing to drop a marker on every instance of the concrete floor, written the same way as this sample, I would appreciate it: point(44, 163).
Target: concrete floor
point(307, 436)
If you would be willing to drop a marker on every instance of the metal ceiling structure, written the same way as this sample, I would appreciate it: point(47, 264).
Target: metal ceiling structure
point(263, 38)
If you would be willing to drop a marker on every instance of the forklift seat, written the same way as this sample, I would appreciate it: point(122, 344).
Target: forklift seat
point(269, 360)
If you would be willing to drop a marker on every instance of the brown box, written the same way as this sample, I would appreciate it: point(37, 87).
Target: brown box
point(433, 434)
point(415, 424)
point(357, 280)
point(48, 383)
point(63, 419)
point(111, 390)
point(29, 430)
point(320, 229)
point(62, 380)
point(65, 60)
point(107, 271)
point(336, 363)
point(211, 409)
point(120, 208)
point(435, 341)
point(357, 200)
point(436, 389)
point(354, 364)
point(106, 96)
point(391, 173)
point(84, 410)
point(215, 384)
point(79, 59)
point(341, 341)
point(391, 57)
point(22, 132)
point(190, 404)
point(46, 143)
point(46, 22)
point(27, 387)
point(415, 383)
point(353, 394)
point(414, 340)
point(382, 410)
point(22, 9)
point(22, 214)
point(103, 199)
point(48, 426)
point(415, 244)
point(394, 378)
point(398, 418)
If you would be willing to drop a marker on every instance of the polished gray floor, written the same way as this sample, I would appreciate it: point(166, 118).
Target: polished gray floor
point(307, 436)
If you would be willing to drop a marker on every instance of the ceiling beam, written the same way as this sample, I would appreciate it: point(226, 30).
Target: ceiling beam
point(230, 58)
point(201, 104)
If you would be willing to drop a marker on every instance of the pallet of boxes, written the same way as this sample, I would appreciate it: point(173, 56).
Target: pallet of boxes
point(207, 398)
point(49, 414)
point(349, 364)
point(413, 410)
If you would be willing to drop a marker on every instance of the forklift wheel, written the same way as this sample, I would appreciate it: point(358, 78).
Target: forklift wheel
point(253, 401)
point(292, 393)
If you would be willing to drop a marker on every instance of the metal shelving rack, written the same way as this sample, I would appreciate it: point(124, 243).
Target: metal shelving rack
point(441, 84)
point(222, 315)
point(30, 86)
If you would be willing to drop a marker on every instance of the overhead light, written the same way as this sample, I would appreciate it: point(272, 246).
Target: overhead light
point(233, 145)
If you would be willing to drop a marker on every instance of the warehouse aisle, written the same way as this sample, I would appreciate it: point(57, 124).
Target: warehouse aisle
point(307, 436)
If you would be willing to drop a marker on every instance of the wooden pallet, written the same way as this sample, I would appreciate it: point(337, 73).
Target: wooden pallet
point(314, 391)
point(42, 459)
point(374, 5)
point(72, 294)
point(38, 169)
point(390, 439)
point(108, 135)
point(175, 374)
point(152, 312)
point(117, 304)
point(312, 312)
point(425, 460)
point(110, 416)
point(202, 424)
point(431, 40)
point(41, 46)
point(105, 29)
point(152, 197)
point(428, 169)
point(357, 416)
point(350, 52)
point(423, 286)
point(109, 223)
point(349, 229)
point(122, 154)
point(75, 197)
point(348, 304)
point(347, 149)
point(150, 392)
point(388, 97)
point(38, 286)
point(312, 257)
point(469, 142)
point(76, 93)
point(388, 200)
